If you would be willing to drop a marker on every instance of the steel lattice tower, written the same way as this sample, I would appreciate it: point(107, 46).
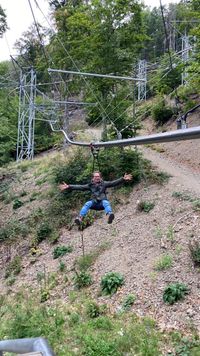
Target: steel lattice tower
point(26, 115)
point(185, 56)
point(142, 74)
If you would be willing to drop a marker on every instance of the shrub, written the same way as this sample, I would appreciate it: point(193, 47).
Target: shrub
point(60, 251)
point(17, 204)
point(111, 282)
point(175, 292)
point(145, 206)
point(164, 262)
point(14, 267)
point(93, 310)
point(161, 113)
point(82, 279)
point(43, 231)
point(61, 266)
point(194, 248)
point(128, 301)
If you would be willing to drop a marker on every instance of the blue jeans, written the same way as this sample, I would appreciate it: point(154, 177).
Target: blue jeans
point(96, 205)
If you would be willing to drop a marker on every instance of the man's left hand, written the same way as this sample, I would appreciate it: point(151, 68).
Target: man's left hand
point(127, 177)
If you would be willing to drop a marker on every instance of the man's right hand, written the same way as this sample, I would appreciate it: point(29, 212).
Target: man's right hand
point(63, 186)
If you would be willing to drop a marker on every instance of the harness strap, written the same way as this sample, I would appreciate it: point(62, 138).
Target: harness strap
point(95, 154)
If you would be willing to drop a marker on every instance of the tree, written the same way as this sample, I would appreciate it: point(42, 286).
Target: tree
point(3, 22)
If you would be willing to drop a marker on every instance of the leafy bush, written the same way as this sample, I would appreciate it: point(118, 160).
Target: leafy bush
point(164, 262)
point(128, 301)
point(43, 231)
point(111, 282)
point(14, 267)
point(17, 204)
point(60, 251)
point(93, 310)
point(161, 113)
point(145, 206)
point(195, 252)
point(175, 292)
point(13, 229)
point(82, 279)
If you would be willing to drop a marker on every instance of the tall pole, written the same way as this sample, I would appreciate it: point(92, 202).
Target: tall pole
point(26, 115)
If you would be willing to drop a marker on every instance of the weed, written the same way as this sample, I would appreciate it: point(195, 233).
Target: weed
point(74, 319)
point(82, 279)
point(44, 295)
point(103, 322)
point(111, 282)
point(158, 232)
point(145, 206)
point(175, 292)
point(196, 205)
point(13, 229)
point(14, 267)
point(194, 248)
point(170, 233)
point(182, 196)
point(10, 280)
point(17, 203)
point(60, 251)
point(163, 263)
point(86, 261)
point(128, 301)
point(43, 231)
point(41, 181)
point(93, 310)
point(62, 266)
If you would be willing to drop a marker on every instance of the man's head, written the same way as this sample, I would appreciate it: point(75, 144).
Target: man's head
point(96, 177)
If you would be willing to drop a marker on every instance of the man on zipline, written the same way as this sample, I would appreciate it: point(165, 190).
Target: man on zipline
point(99, 200)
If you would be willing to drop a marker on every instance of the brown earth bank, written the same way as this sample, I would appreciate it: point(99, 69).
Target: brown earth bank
point(134, 242)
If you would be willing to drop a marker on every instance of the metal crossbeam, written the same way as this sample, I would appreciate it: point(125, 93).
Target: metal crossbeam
point(177, 135)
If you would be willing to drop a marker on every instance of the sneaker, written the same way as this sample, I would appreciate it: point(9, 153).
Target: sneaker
point(78, 221)
point(111, 218)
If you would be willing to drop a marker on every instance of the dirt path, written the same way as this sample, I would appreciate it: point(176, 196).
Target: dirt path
point(182, 176)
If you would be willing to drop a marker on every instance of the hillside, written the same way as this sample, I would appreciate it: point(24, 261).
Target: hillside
point(135, 245)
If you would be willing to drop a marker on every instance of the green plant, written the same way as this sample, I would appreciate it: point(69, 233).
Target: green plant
point(93, 310)
point(163, 263)
point(170, 233)
point(60, 251)
point(145, 206)
point(14, 267)
point(44, 295)
point(82, 279)
point(194, 248)
point(62, 266)
point(13, 229)
point(128, 301)
point(43, 231)
point(196, 205)
point(17, 203)
point(111, 282)
point(86, 261)
point(175, 292)
point(161, 113)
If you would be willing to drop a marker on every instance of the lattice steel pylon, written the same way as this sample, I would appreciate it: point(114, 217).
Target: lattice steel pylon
point(26, 115)
point(186, 48)
point(142, 74)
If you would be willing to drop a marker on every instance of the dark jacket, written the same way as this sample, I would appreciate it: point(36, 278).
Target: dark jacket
point(98, 190)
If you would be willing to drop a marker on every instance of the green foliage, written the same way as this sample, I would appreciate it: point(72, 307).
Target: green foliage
point(60, 251)
point(82, 279)
point(86, 261)
point(62, 266)
point(196, 204)
point(145, 206)
point(175, 292)
point(128, 301)
point(194, 248)
point(160, 112)
point(111, 282)
point(163, 263)
point(44, 295)
point(17, 203)
point(44, 230)
point(13, 229)
point(93, 310)
point(14, 267)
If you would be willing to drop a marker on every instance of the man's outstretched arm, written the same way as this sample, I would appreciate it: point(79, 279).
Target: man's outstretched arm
point(114, 183)
point(64, 186)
